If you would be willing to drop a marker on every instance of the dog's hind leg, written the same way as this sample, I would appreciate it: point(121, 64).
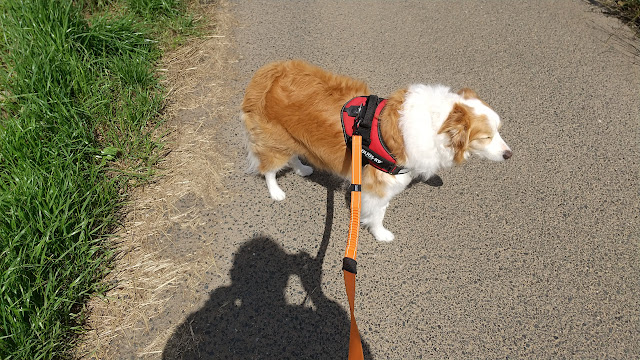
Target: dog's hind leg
point(275, 191)
point(300, 168)
point(268, 151)
point(270, 162)
point(270, 176)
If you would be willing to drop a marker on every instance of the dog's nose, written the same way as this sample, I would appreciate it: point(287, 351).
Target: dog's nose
point(507, 154)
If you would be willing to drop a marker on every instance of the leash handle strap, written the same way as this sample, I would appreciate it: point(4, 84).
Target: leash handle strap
point(349, 261)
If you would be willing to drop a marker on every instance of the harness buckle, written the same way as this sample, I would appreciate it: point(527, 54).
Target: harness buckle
point(354, 110)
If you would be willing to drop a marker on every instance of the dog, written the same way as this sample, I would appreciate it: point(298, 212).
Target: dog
point(291, 110)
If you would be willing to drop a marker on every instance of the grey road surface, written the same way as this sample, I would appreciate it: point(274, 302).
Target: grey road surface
point(536, 257)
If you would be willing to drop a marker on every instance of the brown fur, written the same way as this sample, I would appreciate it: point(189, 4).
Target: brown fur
point(373, 180)
point(389, 126)
point(464, 127)
point(293, 107)
point(467, 93)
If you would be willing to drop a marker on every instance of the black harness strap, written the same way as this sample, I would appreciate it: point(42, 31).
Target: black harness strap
point(362, 126)
point(364, 120)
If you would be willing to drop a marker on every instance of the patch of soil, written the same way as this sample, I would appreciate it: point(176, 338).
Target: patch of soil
point(164, 252)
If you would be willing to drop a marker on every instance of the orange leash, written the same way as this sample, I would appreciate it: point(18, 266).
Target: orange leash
point(349, 261)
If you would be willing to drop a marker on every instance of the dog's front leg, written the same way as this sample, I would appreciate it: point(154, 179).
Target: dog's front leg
point(375, 203)
point(373, 210)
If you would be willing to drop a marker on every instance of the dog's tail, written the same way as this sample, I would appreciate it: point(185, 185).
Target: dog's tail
point(254, 104)
point(259, 86)
point(252, 159)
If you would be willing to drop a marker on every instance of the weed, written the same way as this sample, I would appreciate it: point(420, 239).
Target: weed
point(627, 10)
point(80, 102)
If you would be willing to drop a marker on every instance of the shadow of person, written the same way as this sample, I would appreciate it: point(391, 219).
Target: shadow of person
point(252, 319)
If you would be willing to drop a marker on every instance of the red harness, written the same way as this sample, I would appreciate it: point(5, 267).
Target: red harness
point(361, 115)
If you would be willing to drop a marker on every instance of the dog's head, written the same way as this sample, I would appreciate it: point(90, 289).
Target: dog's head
point(473, 129)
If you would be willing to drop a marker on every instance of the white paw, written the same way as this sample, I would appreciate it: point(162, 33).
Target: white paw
point(304, 170)
point(382, 234)
point(277, 194)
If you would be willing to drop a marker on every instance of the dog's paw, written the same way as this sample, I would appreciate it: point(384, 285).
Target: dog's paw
point(304, 170)
point(277, 194)
point(382, 234)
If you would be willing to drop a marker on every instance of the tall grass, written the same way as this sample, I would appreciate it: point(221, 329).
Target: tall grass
point(627, 10)
point(79, 102)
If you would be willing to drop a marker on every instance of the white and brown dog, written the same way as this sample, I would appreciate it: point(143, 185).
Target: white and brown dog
point(292, 109)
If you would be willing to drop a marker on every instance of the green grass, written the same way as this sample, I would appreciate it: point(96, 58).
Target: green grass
point(79, 106)
point(627, 10)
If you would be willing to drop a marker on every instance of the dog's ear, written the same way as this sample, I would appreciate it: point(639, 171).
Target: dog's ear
point(457, 127)
point(467, 93)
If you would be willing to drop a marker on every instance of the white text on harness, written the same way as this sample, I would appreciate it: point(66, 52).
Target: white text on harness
point(370, 156)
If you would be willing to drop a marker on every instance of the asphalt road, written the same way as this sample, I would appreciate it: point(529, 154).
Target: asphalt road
point(535, 257)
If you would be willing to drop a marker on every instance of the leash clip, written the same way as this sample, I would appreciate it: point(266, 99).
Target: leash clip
point(357, 119)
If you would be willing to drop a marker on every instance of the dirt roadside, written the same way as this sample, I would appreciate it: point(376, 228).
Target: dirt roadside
point(152, 274)
point(543, 265)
